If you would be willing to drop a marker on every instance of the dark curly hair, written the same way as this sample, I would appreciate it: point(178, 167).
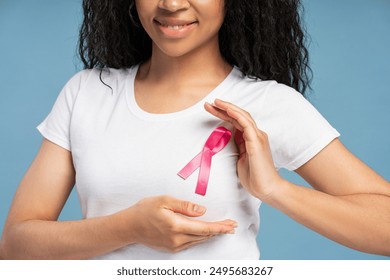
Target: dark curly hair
point(264, 38)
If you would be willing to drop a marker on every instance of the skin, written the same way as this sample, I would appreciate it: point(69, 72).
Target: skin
point(350, 203)
point(195, 64)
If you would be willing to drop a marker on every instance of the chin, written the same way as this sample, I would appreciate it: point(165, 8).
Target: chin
point(176, 50)
point(175, 53)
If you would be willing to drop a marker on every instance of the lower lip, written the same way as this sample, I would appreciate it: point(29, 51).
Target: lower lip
point(176, 33)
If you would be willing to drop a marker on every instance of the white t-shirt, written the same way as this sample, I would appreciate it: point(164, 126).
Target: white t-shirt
point(122, 154)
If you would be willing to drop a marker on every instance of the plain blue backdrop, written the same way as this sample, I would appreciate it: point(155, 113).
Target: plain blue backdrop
point(350, 57)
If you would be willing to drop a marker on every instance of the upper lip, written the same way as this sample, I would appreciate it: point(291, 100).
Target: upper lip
point(173, 21)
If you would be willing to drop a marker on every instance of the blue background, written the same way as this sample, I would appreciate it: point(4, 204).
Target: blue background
point(350, 57)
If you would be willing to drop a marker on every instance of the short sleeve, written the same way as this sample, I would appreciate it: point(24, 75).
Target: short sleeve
point(296, 130)
point(56, 126)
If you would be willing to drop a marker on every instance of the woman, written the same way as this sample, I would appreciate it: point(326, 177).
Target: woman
point(124, 133)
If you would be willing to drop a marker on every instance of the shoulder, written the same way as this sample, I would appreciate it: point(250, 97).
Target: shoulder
point(248, 85)
point(95, 82)
point(247, 93)
point(270, 90)
point(283, 99)
point(286, 106)
point(281, 93)
point(296, 129)
point(97, 76)
point(265, 97)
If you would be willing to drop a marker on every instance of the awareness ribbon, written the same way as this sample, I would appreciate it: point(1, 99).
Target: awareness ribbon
point(217, 140)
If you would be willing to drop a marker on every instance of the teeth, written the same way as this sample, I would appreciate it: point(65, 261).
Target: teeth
point(175, 27)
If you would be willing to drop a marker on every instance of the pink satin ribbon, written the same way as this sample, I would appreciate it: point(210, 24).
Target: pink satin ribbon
point(217, 140)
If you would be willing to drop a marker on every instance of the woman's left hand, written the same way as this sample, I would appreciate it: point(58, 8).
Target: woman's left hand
point(255, 166)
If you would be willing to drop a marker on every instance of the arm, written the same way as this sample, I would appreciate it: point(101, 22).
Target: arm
point(350, 203)
point(33, 232)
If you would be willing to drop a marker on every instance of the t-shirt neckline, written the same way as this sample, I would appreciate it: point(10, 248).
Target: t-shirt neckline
point(140, 113)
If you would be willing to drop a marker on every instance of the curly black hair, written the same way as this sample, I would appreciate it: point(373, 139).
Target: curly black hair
point(264, 38)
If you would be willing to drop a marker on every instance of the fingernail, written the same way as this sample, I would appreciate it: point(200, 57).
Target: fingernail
point(232, 231)
point(198, 208)
point(233, 223)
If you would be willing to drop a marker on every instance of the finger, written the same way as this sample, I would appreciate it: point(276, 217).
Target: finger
point(189, 238)
point(224, 105)
point(249, 128)
point(194, 227)
point(241, 120)
point(228, 222)
point(227, 106)
point(192, 243)
point(221, 114)
point(251, 132)
point(184, 207)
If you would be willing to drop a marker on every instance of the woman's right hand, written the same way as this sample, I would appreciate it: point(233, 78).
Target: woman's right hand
point(162, 223)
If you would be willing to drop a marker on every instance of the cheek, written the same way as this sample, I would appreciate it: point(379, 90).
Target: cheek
point(144, 11)
point(215, 13)
point(145, 21)
point(215, 23)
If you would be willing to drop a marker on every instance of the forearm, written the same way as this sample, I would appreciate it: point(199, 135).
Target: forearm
point(359, 221)
point(37, 239)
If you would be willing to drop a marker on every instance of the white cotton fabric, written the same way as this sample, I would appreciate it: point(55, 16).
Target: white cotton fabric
point(123, 154)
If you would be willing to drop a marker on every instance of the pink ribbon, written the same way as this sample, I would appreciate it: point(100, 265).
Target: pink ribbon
point(217, 140)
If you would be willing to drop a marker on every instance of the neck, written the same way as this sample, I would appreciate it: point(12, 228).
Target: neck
point(201, 66)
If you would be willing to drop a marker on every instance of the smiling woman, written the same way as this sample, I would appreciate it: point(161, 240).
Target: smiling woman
point(162, 79)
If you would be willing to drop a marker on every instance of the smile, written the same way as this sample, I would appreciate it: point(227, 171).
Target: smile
point(174, 26)
point(175, 29)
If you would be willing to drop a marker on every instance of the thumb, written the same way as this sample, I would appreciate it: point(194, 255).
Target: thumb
point(240, 142)
point(184, 207)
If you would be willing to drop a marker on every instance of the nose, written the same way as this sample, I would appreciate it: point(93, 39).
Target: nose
point(173, 5)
